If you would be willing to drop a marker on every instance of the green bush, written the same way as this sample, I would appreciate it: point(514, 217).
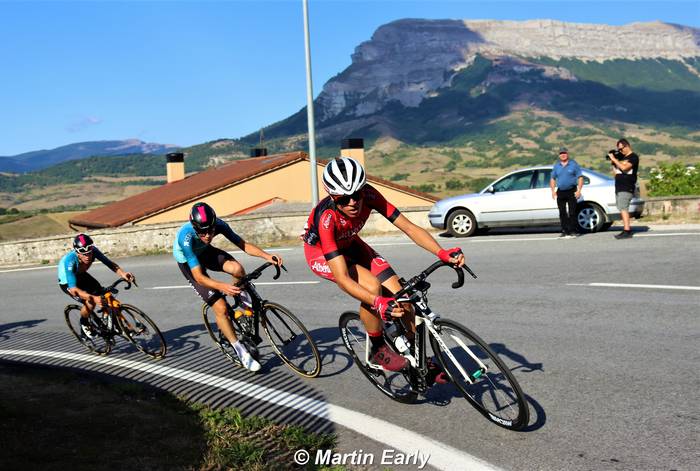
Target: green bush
point(674, 180)
point(454, 184)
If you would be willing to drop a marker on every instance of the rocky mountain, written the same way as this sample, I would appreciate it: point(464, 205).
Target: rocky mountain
point(40, 159)
point(453, 74)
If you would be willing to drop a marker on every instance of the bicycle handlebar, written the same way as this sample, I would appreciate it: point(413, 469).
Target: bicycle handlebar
point(411, 284)
point(255, 274)
point(113, 287)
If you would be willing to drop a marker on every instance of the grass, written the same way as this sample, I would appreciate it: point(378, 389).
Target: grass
point(60, 419)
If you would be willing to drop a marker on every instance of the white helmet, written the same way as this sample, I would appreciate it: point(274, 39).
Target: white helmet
point(343, 176)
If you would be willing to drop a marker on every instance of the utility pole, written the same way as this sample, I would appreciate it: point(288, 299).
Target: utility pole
point(310, 108)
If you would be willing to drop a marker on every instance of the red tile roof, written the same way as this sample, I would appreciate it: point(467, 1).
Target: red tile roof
point(158, 200)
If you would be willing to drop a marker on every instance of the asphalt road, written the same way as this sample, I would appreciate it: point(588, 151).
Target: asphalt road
point(611, 372)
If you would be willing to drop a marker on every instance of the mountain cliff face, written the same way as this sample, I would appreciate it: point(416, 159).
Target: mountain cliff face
point(409, 60)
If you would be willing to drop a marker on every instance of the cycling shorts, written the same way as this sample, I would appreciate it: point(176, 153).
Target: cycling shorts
point(85, 282)
point(211, 259)
point(358, 253)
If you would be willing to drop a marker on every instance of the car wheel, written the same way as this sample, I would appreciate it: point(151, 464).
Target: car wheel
point(590, 218)
point(461, 223)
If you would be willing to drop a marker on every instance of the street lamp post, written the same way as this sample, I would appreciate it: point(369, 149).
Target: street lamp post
point(310, 107)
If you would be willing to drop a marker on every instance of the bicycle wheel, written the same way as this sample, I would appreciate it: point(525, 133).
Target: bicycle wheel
point(493, 390)
point(396, 385)
point(140, 330)
point(98, 344)
point(290, 340)
point(218, 337)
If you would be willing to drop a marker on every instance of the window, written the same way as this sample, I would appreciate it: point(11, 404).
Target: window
point(517, 181)
point(543, 177)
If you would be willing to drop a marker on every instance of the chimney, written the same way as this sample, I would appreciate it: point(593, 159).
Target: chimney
point(258, 151)
point(353, 148)
point(175, 166)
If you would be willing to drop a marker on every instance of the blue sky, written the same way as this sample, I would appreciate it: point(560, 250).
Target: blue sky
point(189, 72)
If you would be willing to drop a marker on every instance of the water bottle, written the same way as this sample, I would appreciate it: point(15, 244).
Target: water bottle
point(399, 340)
point(107, 320)
point(243, 305)
point(246, 304)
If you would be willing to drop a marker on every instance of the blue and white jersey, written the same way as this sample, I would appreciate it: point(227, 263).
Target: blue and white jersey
point(188, 245)
point(69, 265)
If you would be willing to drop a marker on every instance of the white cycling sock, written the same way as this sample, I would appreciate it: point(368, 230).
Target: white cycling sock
point(240, 348)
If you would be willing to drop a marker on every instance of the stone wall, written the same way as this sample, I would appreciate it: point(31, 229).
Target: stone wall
point(262, 230)
point(676, 206)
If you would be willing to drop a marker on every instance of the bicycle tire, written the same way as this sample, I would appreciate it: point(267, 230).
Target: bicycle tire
point(495, 384)
point(352, 332)
point(275, 329)
point(99, 345)
point(221, 342)
point(134, 329)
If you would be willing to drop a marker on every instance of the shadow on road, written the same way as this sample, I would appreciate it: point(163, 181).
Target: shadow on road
point(332, 351)
point(7, 330)
point(184, 340)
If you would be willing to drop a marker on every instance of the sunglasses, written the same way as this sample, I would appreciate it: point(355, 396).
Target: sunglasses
point(84, 250)
point(345, 199)
point(207, 232)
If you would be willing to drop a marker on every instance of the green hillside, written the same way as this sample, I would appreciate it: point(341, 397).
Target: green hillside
point(492, 117)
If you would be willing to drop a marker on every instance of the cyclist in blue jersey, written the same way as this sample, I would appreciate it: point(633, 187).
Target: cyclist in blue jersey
point(76, 282)
point(195, 255)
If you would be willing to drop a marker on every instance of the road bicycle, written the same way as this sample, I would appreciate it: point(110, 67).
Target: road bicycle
point(114, 319)
point(471, 365)
point(287, 336)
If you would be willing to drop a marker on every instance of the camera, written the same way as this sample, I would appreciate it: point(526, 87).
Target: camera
point(614, 152)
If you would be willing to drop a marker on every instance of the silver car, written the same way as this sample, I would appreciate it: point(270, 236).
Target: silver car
point(523, 198)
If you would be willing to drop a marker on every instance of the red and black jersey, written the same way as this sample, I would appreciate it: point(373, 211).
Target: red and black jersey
point(336, 232)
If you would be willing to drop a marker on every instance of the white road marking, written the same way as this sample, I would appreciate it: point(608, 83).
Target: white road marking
point(523, 239)
point(28, 269)
point(256, 284)
point(442, 456)
point(666, 234)
point(623, 285)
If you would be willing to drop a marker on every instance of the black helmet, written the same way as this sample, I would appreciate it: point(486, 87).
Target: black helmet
point(83, 243)
point(202, 217)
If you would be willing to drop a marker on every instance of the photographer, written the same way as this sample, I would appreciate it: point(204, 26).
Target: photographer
point(625, 164)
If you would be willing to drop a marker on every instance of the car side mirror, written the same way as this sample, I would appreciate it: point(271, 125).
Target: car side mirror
point(490, 189)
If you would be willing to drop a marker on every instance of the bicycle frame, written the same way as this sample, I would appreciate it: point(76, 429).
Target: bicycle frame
point(414, 292)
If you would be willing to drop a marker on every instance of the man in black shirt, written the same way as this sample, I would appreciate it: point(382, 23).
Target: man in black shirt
point(625, 167)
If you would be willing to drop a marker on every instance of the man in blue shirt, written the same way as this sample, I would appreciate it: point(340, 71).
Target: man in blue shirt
point(76, 282)
point(195, 255)
point(566, 184)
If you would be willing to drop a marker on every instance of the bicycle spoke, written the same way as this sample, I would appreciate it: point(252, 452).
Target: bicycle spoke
point(140, 330)
point(98, 343)
point(396, 385)
point(290, 340)
point(480, 375)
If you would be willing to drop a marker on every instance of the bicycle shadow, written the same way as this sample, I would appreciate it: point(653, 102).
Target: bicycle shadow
point(330, 349)
point(13, 327)
point(184, 340)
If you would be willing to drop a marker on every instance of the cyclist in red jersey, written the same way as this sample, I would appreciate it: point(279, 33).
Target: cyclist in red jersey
point(334, 251)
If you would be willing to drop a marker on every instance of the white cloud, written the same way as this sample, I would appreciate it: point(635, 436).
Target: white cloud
point(83, 123)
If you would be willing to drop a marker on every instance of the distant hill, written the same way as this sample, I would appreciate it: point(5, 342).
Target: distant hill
point(40, 159)
point(446, 105)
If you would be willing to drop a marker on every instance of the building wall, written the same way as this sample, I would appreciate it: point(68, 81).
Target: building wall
point(262, 230)
point(291, 183)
